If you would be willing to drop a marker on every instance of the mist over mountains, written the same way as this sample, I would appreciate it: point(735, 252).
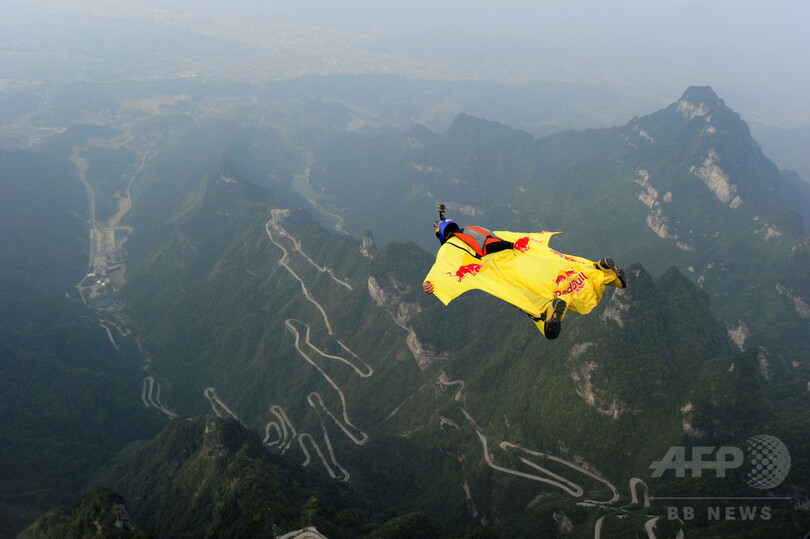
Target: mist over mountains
point(647, 51)
point(271, 278)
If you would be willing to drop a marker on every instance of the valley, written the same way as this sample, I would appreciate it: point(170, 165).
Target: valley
point(253, 314)
point(107, 236)
point(287, 434)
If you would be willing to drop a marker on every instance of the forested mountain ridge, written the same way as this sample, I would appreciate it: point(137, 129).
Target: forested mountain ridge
point(241, 306)
point(68, 398)
point(231, 487)
point(476, 162)
point(279, 318)
point(684, 186)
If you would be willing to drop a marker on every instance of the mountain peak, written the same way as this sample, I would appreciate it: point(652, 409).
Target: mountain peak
point(699, 101)
point(701, 93)
point(466, 123)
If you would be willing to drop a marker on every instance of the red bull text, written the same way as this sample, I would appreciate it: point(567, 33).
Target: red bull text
point(577, 284)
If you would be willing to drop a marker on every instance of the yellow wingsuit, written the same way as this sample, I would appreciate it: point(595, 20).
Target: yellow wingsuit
point(529, 276)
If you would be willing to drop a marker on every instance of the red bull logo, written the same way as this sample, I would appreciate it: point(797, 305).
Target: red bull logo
point(563, 275)
point(576, 282)
point(467, 269)
point(522, 244)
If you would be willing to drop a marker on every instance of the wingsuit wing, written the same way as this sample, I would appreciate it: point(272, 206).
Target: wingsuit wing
point(528, 276)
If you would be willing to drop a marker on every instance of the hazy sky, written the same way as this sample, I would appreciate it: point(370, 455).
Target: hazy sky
point(755, 54)
point(754, 51)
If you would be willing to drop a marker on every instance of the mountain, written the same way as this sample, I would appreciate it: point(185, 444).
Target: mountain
point(243, 298)
point(69, 400)
point(255, 312)
point(99, 513)
point(234, 487)
point(788, 147)
point(475, 162)
point(684, 186)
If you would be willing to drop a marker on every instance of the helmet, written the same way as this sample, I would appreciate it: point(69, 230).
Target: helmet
point(444, 228)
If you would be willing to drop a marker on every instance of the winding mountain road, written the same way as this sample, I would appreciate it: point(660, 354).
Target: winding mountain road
point(549, 477)
point(148, 400)
point(356, 435)
point(323, 269)
point(597, 529)
point(215, 401)
point(284, 428)
point(634, 482)
point(282, 425)
point(649, 525)
point(150, 393)
point(103, 324)
point(615, 493)
point(284, 262)
point(125, 203)
point(307, 436)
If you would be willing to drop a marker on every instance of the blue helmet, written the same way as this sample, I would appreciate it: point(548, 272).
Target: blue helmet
point(444, 228)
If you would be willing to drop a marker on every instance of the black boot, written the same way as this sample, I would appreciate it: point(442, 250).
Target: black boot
point(553, 316)
point(608, 266)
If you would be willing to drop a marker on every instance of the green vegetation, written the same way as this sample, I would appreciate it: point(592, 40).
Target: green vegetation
point(208, 303)
point(99, 513)
point(69, 401)
point(233, 487)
